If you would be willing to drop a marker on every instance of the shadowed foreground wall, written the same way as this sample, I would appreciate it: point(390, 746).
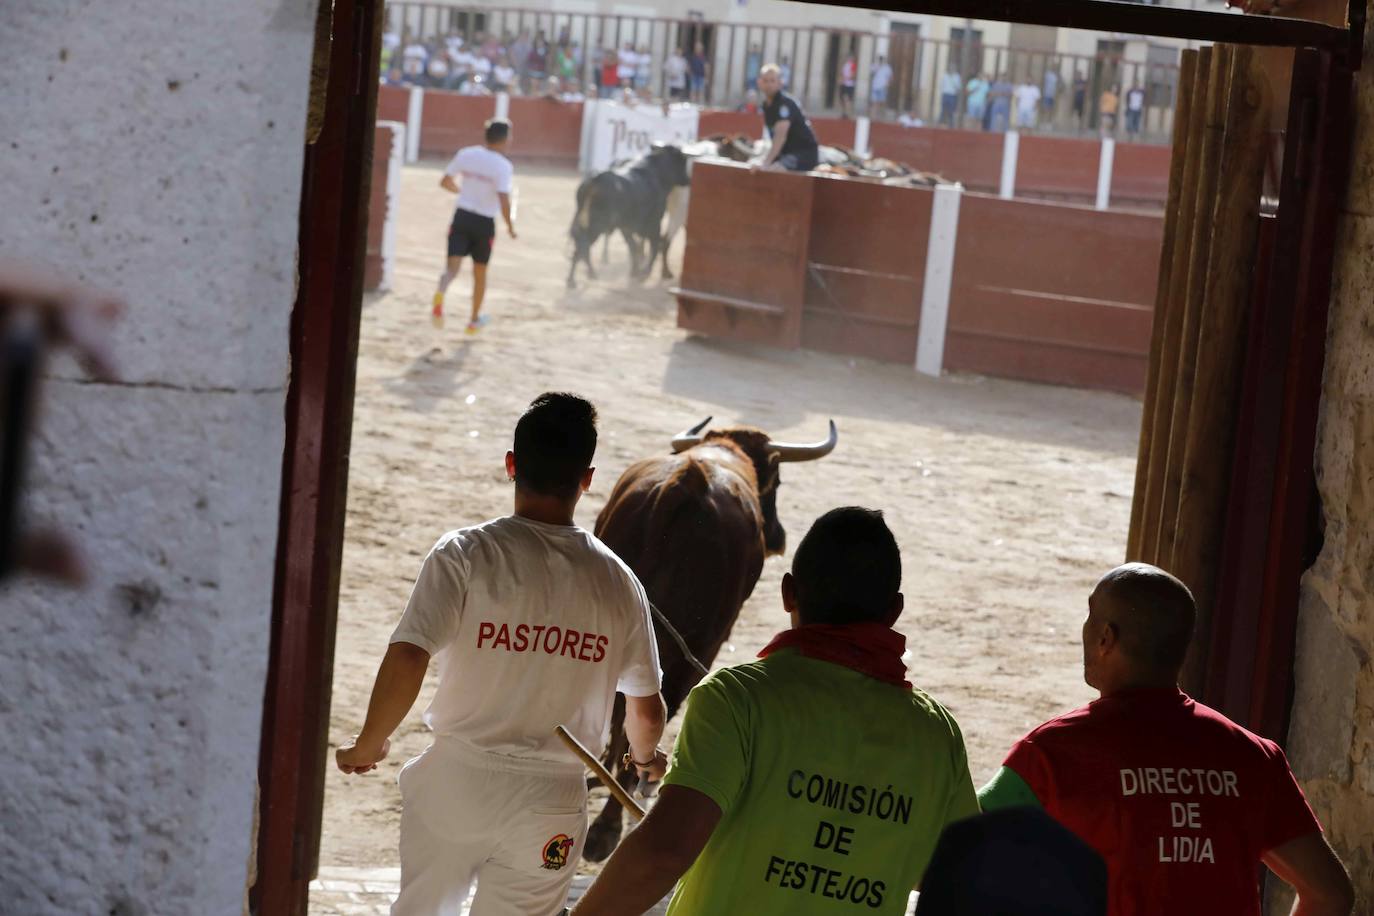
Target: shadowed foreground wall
point(153, 148)
point(1331, 740)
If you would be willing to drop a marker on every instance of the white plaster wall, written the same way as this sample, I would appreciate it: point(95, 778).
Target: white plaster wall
point(153, 148)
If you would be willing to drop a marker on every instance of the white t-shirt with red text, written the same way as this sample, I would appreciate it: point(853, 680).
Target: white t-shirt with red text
point(533, 625)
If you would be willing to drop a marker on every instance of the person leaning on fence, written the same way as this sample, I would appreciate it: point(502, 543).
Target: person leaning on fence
point(815, 780)
point(1182, 803)
point(793, 147)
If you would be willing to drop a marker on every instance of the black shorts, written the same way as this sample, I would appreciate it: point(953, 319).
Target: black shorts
point(846, 92)
point(471, 235)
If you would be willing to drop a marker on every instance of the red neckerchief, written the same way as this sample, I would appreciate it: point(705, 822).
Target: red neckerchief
point(868, 648)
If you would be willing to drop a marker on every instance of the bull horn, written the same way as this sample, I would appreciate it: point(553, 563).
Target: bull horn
point(788, 452)
point(689, 437)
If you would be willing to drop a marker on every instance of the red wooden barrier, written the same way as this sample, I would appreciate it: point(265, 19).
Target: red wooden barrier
point(1059, 167)
point(744, 268)
point(866, 271)
point(545, 130)
point(393, 103)
point(1140, 175)
point(1053, 293)
point(730, 123)
point(834, 131)
point(452, 121)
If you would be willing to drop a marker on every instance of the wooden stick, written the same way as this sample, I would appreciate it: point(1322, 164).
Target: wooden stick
point(600, 772)
point(1149, 436)
point(1204, 225)
point(1210, 442)
point(1147, 545)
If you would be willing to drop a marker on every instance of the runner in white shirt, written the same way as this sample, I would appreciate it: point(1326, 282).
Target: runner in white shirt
point(483, 185)
point(535, 623)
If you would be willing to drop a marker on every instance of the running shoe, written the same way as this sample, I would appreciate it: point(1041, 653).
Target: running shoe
point(437, 315)
point(477, 325)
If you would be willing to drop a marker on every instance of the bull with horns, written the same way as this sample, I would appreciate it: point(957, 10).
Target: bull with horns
point(695, 527)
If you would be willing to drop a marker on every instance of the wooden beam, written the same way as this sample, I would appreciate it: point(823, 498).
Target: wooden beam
point(1162, 413)
point(1130, 18)
point(1149, 437)
point(1211, 428)
point(1199, 260)
point(319, 416)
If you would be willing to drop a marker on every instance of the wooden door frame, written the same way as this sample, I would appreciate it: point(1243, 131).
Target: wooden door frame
point(1255, 675)
point(319, 415)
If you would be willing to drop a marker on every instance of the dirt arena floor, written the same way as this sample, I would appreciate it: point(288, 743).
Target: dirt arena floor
point(1008, 499)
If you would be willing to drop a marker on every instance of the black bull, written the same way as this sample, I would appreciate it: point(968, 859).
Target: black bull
point(629, 199)
point(695, 527)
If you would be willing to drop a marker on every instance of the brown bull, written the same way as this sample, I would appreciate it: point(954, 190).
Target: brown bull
point(695, 527)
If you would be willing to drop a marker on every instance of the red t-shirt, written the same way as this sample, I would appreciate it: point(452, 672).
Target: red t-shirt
point(1179, 800)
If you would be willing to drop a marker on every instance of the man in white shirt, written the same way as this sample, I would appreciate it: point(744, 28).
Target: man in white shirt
point(880, 79)
point(482, 178)
point(1027, 96)
point(675, 70)
point(535, 623)
point(951, 84)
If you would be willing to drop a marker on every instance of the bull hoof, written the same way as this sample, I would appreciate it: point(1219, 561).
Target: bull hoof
point(601, 842)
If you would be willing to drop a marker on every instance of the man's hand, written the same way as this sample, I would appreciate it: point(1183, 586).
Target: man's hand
point(355, 758)
point(657, 766)
point(510, 227)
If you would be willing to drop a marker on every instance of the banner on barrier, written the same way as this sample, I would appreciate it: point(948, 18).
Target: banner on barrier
point(617, 131)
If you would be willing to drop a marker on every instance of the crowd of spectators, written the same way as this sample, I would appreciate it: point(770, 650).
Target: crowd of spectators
point(531, 64)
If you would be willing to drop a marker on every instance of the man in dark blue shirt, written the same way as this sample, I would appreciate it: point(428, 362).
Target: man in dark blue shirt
point(793, 144)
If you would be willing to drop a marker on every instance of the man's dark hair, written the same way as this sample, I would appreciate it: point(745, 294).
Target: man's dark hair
point(554, 444)
point(848, 568)
point(1153, 612)
point(497, 130)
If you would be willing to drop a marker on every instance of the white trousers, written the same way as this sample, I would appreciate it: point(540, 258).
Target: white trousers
point(464, 817)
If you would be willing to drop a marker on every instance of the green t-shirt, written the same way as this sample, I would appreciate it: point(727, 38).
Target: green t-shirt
point(833, 787)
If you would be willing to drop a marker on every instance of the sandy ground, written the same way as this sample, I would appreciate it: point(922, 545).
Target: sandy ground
point(1008, 499)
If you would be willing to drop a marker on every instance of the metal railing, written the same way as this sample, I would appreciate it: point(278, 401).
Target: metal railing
point(813, 58)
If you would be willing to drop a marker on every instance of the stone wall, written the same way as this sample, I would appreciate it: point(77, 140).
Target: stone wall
point(153, 148)
point(1331, 741)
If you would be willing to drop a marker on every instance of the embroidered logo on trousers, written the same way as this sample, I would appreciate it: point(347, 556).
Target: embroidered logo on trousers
point(557, 850)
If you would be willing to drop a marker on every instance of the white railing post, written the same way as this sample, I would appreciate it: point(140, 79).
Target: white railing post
point(861, 126)
point(944, 233)
point(414, 114)
point(503, 105)
point(1011, 146)
point(1104, 173)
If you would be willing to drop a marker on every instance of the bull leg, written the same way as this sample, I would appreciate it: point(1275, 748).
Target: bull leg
point(636, 251)
point(605, 252)
point(667, 273)
point(604, 834)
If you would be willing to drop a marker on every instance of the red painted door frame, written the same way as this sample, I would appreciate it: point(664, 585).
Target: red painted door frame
point(319, 417)
point(1273, 519)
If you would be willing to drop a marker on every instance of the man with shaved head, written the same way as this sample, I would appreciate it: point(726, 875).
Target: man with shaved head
point(1182, 803)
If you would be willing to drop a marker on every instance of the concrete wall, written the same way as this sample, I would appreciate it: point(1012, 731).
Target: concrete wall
point(1331, 741)
point(153, 148)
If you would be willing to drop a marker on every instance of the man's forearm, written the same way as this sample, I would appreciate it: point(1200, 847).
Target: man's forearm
point(640, 873)
point(394, 692)
point(645, 718)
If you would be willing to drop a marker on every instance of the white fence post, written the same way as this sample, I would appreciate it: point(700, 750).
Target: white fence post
point(414, 115)
point(1011, 146)
point(584, 149)
point(1104, 173)
point(861, 136)
point(503, 105)
point(944, 232)
point(395, 156)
